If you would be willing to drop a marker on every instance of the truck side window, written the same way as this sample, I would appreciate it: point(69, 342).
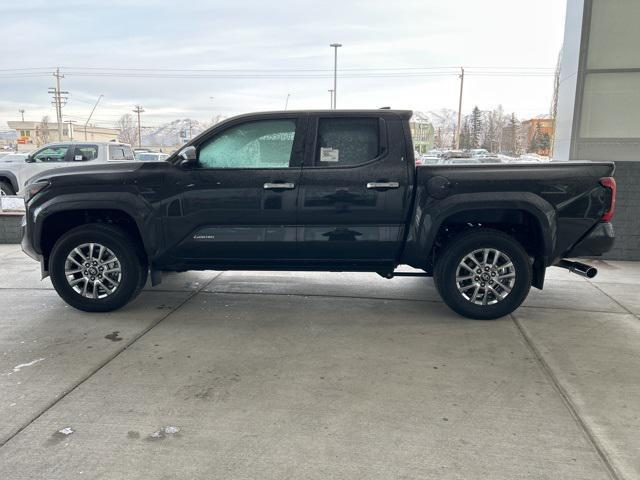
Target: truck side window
point(257, 144)
point(347, 141)
point(54, 153)
point(85, 152)
point(120, 152)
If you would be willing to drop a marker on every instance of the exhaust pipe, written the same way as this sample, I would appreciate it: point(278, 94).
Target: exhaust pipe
point(579, 268)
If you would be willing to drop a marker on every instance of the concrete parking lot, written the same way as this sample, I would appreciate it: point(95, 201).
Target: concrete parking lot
point(267, 375)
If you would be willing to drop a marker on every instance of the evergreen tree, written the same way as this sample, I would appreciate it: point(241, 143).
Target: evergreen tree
point(465, 135)
point(513, 135)
point(534, 145)
point(476, 128)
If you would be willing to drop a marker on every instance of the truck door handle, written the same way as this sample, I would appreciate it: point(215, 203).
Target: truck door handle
point(383, 185)
point(279, 186)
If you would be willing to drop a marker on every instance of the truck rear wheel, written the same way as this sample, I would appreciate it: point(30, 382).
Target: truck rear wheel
point(96, 268)
point(483, 274)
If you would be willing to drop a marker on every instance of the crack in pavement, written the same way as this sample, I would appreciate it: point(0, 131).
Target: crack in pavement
point(591, 437)
point(107, 361)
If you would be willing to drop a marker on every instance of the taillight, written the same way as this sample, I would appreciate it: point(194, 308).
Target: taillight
point(610, 183)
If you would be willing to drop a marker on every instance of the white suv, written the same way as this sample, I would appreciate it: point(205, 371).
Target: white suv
point(13, 176)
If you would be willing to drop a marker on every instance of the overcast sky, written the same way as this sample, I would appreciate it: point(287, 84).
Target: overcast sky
point(276, 48)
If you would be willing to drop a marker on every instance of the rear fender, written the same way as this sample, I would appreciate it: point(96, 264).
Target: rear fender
point(430, 214)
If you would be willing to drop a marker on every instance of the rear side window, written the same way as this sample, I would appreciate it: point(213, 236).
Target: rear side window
point(120, 152)
point(85, 153)
point(347, 141)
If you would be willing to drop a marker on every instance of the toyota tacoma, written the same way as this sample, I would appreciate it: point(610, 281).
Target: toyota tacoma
point(321, 191)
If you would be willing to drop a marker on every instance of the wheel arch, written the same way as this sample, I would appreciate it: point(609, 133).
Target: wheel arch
point(481, 209)
point(6, 175)
point(56, 217)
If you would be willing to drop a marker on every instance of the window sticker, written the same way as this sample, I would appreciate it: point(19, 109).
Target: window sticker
point(328, 154)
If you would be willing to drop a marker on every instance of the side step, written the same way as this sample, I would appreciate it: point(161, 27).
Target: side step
point(390, 275)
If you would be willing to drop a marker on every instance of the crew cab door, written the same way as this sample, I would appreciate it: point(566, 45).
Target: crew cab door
point(239, 203)
point(354, 193)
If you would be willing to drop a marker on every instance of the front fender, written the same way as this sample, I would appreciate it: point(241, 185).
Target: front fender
point(141, 211)
point(430, 214)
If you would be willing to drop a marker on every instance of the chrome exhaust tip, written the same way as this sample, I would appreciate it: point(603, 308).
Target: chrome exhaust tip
point(578, 268)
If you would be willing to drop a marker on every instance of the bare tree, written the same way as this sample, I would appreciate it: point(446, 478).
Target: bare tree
point(42, 131)
point(127, 129)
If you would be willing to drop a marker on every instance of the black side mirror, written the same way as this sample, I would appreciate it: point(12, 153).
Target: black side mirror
point(30, 159)
point(189, 157)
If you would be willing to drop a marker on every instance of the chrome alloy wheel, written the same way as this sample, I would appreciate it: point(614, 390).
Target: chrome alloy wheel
point(93, 270)
point(485, 276)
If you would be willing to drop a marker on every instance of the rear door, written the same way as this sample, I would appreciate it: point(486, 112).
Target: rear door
point(354, 193)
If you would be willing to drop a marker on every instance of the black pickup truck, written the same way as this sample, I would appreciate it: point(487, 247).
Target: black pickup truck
point(317, 190)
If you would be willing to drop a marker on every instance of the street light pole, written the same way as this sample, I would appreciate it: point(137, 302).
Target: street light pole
point(460, 108)
point(335, 72)
point(286, 102)
point(330, 98)
point(90, 115)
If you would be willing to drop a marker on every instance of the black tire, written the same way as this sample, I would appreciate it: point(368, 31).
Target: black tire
point(125, 248)
point(6, 188)
point(448, 263)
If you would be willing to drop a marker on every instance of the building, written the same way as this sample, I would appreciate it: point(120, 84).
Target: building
point(34, 134)
point(538, 133)
point(422, 134)
point(598, 111)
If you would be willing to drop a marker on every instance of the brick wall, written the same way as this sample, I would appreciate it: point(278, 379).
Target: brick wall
point(627, 219)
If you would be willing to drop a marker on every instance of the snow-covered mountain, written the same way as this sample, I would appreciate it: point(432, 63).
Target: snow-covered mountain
point(8, 135)
point(173, 133)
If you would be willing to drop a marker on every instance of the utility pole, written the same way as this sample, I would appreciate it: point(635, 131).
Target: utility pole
point(459, 108)
point(70, 122)
point(139, 110)
point(59, 99)
point(21, 111)
point(286, 102)
point(90, 115)
point(330, 98)
point(190, 130)
point(335, 73)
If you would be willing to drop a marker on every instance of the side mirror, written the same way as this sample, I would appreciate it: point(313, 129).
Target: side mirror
point(188, 156)
point(30, 159)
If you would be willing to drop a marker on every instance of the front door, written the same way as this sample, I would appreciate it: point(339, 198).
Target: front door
point(354, 194)
point(240, 202)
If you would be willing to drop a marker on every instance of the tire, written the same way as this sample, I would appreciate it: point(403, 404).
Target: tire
point(120, 280)
point(6, 188)
point(506, 286)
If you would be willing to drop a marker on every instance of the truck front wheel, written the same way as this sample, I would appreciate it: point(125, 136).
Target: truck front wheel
point(96, 268)
point(483, 274)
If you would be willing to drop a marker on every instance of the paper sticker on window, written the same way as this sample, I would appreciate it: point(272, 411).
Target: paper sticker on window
point(329, 154)
point(78, 158)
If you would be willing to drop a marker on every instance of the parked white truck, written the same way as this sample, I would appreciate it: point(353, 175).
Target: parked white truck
point(14, 175)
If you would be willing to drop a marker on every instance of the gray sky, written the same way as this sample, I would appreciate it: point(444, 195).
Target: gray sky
point(393, 54)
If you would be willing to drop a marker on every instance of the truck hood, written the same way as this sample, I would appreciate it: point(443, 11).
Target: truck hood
point(116, 172)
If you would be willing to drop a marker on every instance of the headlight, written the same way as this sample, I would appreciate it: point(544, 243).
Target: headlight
point(33, 188)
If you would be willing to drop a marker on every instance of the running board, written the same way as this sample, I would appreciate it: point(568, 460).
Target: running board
point(390, 275)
